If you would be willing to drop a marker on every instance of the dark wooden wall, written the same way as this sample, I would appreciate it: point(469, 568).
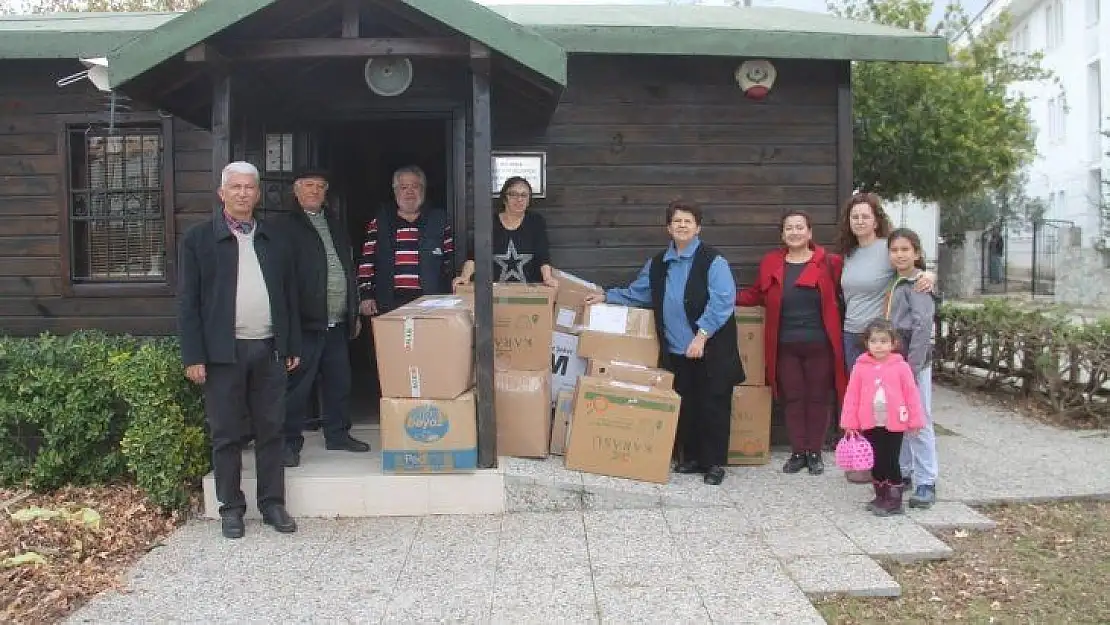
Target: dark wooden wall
point(33, 199)
point(632, 133)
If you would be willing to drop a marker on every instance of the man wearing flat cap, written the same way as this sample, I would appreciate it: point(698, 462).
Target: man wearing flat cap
point(329, 316)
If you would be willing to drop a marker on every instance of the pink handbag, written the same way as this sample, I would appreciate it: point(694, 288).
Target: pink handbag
point(854, 453)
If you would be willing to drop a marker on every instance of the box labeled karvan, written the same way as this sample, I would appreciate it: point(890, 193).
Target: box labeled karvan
point(749, 337)
point(429, 435)
point(425, 348)
point(570, 300)
point(560, 428)
point(749, 440)
point(566, 364)
point(523, 318)
point(631, 373)
point(623, 333)
point(522, 407)
point(622, 430)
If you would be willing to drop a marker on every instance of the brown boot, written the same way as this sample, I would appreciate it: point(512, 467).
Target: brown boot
point(880, 495)
point(892, 503)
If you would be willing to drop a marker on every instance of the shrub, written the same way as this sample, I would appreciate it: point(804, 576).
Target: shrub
point(91, 408)
point(1060, 362)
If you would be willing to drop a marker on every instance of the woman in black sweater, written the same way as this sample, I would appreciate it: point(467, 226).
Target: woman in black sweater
point(520, 250)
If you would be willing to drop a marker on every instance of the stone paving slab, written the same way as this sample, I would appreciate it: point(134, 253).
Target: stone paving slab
point(859, 576)
point(578, 548)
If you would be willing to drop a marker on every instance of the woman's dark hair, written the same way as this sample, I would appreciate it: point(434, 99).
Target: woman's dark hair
point(879, 325)
point(795, 213)
point(846, 239)
point(915, 241)
point(688, 207)
point(515, 180)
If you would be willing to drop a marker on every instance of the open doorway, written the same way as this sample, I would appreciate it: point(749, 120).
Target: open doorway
point(362, 157)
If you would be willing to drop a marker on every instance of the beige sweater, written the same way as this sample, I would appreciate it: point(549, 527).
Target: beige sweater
point(252, 299)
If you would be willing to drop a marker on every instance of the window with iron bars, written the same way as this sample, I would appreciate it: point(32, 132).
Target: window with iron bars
point(117, 217)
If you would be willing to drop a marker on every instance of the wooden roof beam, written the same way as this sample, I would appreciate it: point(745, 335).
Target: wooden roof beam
point(277, 49)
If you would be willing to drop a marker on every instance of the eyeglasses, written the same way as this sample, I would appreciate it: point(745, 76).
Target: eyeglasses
point(408, 187)
point(520, 195)
point(313, 185)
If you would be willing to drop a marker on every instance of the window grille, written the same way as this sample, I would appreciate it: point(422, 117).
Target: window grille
point(117, 218)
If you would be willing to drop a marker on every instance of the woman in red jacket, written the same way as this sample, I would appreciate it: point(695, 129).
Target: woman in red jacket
point(799, 285)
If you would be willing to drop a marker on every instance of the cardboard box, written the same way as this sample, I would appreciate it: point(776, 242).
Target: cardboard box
point(613, 332)
point(523, 318)
point(631, 373)
point(749, 333)
point(560, 428)
point(429, 435)
point(522, 407)
point(570, 300)
point(623, 430)
point(566, 364)
point(425, 348)
point(749, 440)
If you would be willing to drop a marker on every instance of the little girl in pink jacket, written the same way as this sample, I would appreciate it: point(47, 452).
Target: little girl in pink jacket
point(882, 401)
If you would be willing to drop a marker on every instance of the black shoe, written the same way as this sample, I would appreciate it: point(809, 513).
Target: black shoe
point(714, 476)
point(687, 467)
point(277, 517)
point(311, 425)
point(347, 444)
point(290, 458)
point(231, 526)
point(795, 463)
point(814, 462)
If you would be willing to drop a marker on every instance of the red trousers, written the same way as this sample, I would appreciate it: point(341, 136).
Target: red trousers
point(805, 379)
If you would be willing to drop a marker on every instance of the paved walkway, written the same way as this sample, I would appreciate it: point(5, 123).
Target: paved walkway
point(582, 548)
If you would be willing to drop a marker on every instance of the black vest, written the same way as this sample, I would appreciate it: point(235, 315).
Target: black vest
point(722, 354)
point(433, 280)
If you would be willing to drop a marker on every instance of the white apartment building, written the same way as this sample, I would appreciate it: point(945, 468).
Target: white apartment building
point(1070, 116)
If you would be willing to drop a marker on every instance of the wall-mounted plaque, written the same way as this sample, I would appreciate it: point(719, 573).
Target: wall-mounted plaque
point(532, 166)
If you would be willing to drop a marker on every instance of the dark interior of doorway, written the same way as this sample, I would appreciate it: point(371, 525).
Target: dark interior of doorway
point(362, 157)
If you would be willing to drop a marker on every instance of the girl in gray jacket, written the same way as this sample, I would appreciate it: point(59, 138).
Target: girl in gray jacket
point(911, 313)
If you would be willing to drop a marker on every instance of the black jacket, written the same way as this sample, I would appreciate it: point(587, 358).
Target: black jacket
point(208, 274)
point(312, 266)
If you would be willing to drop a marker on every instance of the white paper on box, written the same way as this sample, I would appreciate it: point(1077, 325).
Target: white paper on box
point(630, 386)
point(580, 281)
point(409, 334)
point(566, 366)
point(565, 318)
point(608, 318)
point(414, 381)
point(447, 302)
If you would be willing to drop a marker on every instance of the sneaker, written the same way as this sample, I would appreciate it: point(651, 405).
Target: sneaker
point(795, 463)
point(924, 496)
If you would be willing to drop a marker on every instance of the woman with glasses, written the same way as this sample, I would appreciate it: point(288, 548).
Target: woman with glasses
point(520, 249)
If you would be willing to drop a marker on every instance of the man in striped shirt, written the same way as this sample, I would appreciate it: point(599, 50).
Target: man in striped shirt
point(408, 250)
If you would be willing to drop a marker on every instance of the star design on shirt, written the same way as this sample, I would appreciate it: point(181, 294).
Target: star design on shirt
point(511, 257)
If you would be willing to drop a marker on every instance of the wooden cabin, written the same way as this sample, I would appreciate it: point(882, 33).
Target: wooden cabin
point(612, 110)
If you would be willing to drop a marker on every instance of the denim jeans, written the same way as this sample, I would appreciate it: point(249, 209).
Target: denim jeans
point(853, 349)
point(919, 451)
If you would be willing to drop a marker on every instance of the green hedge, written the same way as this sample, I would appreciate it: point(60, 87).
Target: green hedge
point(1059, 361)
point(90, 408)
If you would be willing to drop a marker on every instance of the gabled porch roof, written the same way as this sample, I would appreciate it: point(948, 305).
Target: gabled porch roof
point(526, 47)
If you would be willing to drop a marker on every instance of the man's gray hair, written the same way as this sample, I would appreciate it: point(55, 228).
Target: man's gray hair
point(239, 167)
point(410, 169)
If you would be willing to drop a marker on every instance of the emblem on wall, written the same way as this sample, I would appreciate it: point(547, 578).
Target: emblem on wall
point(756, 78)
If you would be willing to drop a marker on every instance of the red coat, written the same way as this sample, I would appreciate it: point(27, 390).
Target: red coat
point(822, 270)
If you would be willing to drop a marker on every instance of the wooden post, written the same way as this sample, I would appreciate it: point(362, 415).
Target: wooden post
point(483, 253)
point(844, 150)
point(221, 125)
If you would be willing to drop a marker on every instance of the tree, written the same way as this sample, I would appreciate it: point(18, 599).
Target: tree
point(940, 132)
point(1006, 204)
point(110, 6)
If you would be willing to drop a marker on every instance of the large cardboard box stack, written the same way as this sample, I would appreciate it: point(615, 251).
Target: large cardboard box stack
point(750, 432)
point(523, 321)
point(428, 416)
point(622, 429)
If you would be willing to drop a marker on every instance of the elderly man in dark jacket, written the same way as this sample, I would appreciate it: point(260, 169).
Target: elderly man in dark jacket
point(329, 316)
point(238, 323)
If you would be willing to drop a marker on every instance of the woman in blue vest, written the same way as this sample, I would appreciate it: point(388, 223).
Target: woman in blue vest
point(690, 288)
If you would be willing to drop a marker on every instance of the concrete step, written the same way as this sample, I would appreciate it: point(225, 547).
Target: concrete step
point(342, 484)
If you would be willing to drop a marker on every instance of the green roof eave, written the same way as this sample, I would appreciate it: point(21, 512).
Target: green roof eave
point(520, 43)
point(716, 42)
point(31, 45)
